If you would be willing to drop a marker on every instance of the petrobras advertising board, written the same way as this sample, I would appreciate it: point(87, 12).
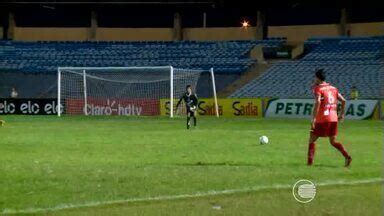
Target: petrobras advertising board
point(302, 108)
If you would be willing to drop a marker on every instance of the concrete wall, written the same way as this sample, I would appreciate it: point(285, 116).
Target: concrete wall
point(82, 34)
point(367, 29)
point(298, 34)
point(294, 34)
point(50, 34)
point(229, 33)
point(134, 34)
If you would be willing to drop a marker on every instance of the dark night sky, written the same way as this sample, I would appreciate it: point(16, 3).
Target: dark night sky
point(219, 13)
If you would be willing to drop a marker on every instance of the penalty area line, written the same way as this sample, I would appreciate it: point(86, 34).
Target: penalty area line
point(184, 196)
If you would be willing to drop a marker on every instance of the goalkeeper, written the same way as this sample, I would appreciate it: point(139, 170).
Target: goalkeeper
point(191, 102)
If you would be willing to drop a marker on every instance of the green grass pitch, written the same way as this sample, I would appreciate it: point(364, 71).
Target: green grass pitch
point(48, 164)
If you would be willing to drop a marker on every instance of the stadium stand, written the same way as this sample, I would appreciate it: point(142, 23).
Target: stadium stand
point(225, 57)
point(39, 60)
point(349, 62)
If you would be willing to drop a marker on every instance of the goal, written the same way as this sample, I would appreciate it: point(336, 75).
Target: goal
point(129, 91)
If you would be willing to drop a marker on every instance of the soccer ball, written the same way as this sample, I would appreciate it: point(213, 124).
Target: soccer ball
point(2, 122)
point(264, 140)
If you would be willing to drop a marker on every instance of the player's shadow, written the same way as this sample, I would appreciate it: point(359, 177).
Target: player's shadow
point(325, 165)
point(200, 163)
point(233, 163)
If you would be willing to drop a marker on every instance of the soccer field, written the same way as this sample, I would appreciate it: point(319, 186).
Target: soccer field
point(152, 166)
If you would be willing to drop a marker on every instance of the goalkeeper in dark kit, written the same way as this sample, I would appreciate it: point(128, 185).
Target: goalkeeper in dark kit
point(191, 102)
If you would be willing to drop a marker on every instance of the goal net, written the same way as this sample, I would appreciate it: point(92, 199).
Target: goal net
point(129, 91)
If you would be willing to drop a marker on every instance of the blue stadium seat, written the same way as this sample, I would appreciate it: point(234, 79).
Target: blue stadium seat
point(357, 61)
point(226, 57)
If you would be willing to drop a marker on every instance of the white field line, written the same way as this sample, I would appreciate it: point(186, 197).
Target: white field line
point(183, 196)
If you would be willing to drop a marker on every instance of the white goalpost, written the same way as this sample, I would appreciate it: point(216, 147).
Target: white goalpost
point(129, 91)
